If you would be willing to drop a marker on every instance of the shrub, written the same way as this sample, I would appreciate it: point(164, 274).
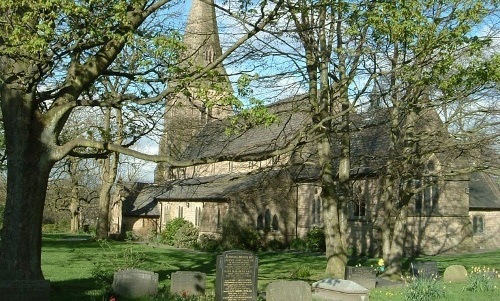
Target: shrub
point(209, 243)
point(315, 240)
point(168, 235)
point(423, 289)
point(298, 244)
point(186, 236)
point(275, 245)
point(240, 237)
point(479, 282)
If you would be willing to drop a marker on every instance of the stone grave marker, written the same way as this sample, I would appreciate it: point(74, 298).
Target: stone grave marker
point(339, 289)
point(236, 276)
point(188, 283)
point(24, 290)
point(135, 283)
point(288, 291)
point(424, 269)
point(455, 273)
point(365, 276)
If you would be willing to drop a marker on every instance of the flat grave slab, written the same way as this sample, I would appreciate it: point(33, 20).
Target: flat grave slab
point(365, 276)
point(339, 290)
point(424, 269)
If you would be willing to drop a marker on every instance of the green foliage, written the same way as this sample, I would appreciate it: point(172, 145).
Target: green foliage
point(103, 267)
point(298, 244)
point(186, 236)
point(171, 228)
point(424, 289)
point(479, 282)
point(209, 243)
point(275, 245)
point(301, 272)
point(315, 240)
point(236, 236)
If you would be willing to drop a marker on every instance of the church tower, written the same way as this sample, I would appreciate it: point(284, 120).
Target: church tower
point(194, 103)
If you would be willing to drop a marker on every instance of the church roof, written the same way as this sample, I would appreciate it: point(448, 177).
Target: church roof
point(484, 192)
point(213, 139)
point(212, 188)
point(139, 199)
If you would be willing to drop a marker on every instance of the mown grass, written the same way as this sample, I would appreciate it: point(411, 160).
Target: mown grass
point(74, 264)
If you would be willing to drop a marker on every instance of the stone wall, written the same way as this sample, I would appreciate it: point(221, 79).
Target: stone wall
point(489, 237)
point(140, 226)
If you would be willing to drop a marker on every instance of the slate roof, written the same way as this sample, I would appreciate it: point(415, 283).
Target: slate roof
point(213, 188)
point(213, 140)
point(484, 192)
point(140, 199)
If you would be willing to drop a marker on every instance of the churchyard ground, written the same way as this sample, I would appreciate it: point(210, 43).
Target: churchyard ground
point(81, 268)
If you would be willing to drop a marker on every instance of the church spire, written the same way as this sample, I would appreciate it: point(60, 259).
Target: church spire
point(187, 112)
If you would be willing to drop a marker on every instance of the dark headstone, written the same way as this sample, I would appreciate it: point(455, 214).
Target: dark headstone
point(364, 276)
point(426, 269)
point(24, 290)
point(236, 276)
point(288, 291)
point(455, 273)
point(135, 283)
point(339, 289)
point(186, 283)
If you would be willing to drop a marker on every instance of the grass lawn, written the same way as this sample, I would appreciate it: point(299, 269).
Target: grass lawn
point(79, 267)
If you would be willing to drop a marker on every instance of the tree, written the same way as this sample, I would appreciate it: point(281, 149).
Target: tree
point(409, 54)
point(52, 57)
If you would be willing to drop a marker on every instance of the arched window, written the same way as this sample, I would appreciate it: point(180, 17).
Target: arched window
point(275, 224)
point(267, 220)
point(260, 222)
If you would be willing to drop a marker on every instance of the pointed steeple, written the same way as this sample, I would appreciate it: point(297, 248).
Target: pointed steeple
point(201, 38)
point(189, 110)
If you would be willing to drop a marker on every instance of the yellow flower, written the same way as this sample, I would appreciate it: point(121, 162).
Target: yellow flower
point(381, 262)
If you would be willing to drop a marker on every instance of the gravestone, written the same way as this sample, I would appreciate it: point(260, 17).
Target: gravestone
point(427, 269)
point(288, 291)
point(24, 290)
point(135, 283)
point(339, 289)
point(236, 276)
point(365, 276)
point(455, 273)
point(188, 283)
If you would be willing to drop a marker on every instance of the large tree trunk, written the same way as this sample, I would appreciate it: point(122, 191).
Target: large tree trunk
point(74, 210)
point(28, 169)
point(394, 256)
point(108, 176)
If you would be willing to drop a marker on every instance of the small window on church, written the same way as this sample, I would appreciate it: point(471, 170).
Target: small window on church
point(275, 223)
point(260, 222)
point(219, 224)
point(267, 220)
point(478, 224)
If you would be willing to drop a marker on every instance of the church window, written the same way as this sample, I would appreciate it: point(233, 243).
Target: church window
point(180, 213)
point(358, 209)
point(219, 224)
point(275, 223)
point(267, 220)
point(426, 191)
point(316, 211)
point(478, 224)
point(260, 222)
point(197, 217)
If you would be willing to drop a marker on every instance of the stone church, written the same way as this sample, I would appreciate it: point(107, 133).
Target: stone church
point(280, 196)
